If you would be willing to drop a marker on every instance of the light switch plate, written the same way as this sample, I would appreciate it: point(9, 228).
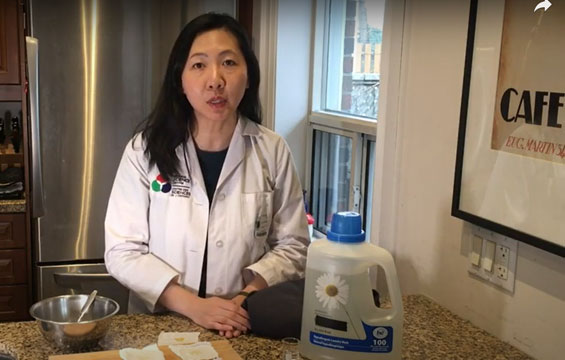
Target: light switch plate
point(488, 255)
point(502, 268)
point(476, 249)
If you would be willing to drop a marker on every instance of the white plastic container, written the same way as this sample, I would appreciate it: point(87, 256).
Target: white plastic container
point(339, 316)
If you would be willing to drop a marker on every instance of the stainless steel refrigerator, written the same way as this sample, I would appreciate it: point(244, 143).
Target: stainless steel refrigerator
point(94, 67)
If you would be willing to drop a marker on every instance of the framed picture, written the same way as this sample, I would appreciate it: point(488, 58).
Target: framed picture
point(510, 170)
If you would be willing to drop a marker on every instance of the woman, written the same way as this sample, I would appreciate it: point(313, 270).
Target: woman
point(206, 206)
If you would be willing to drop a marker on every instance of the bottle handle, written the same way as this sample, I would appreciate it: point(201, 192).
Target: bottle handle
point(388, 267)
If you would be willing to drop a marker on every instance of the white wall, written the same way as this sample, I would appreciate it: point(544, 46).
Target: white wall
point(293, 76)
point(430, 244)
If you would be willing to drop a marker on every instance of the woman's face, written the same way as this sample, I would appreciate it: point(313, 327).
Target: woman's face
point(214, 78)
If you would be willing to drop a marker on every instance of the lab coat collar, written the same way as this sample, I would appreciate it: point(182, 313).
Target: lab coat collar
point(234, 157)
point(236, 150)
point(193, 166)
point(249, 128)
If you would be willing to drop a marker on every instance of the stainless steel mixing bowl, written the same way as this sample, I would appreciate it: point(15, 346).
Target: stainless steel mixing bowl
point(57, 317)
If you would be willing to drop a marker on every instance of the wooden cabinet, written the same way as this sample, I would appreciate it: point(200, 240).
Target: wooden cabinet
point(9, 42)
point(15, 257)
point(12, 231)
point(13, 303)
point(14, 265)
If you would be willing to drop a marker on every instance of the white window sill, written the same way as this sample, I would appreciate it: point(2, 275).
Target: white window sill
point(344, 122)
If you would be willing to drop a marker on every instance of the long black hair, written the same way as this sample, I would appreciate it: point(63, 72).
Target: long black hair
point(172, 120)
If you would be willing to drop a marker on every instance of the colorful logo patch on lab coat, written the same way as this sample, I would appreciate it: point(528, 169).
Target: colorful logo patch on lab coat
point(160, 185)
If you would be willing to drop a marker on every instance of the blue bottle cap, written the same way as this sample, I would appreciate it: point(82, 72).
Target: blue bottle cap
point(346, 227)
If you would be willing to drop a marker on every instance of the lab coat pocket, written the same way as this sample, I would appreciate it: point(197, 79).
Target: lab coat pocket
point(257, 212)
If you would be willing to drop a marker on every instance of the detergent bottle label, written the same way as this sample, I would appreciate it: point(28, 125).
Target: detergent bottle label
point(378, 339)
point(336, 321)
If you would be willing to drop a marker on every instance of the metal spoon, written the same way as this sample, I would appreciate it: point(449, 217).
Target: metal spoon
point(87, 304)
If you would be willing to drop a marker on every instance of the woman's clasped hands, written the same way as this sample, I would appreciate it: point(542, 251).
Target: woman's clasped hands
point(226, 316)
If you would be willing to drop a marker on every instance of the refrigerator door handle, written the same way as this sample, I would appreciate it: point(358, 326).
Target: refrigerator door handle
point(71, 280)
point(37, 209)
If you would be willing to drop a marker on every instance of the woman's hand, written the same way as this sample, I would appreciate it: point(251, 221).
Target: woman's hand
point(238, 300)
point(256, 284)
point(211, 313)
point(219, 314)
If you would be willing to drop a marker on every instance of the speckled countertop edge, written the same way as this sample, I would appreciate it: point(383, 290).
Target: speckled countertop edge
point(430, 332)
point(13, 206)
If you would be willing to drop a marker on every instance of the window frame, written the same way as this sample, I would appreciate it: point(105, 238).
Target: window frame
point(344, 124)
point(359, 180)
point(364, 128)
point(355, 161)
point(319, 83)
point(365, 181)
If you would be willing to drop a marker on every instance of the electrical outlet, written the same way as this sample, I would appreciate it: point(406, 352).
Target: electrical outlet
point(498, 256)
point(501, 260)
point(501, 272)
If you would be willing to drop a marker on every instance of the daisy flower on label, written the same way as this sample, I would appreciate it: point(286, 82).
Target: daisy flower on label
point(331, 291)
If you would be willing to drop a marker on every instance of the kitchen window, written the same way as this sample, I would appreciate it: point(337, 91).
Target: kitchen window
point(331, 177)
point(343, 117)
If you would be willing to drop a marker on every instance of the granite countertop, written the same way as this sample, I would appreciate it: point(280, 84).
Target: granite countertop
point(430, 332)
point(12, 206)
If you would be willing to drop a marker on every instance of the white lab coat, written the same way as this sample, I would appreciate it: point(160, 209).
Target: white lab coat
point(255, 224)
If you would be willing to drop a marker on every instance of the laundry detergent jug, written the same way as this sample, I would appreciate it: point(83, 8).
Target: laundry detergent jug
point(340, 319)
